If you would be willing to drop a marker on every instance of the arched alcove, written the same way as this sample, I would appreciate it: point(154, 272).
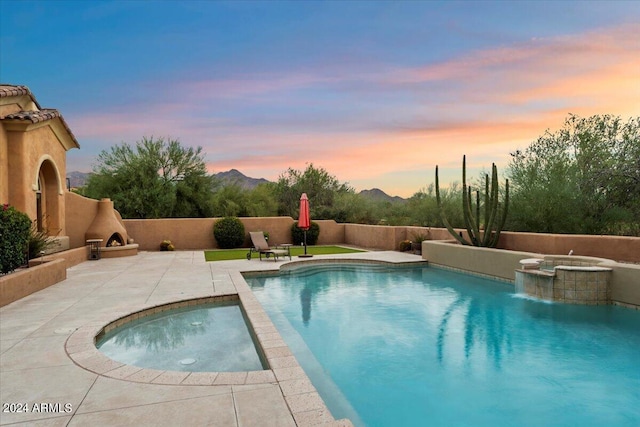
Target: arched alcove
point(48, 189)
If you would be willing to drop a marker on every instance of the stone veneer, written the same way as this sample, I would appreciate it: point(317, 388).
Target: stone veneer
point(572, 281)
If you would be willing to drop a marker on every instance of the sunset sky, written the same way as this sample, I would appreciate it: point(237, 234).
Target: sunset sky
point(377, 93)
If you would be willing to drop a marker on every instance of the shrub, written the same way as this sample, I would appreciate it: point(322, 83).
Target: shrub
point(404, 246)
point(15, 227)
point(39, 241)
point(166, 245)
point(297, 234)
point(420, 237)
point(229, 232)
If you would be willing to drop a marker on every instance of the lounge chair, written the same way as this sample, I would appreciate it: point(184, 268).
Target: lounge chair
point(261, 246)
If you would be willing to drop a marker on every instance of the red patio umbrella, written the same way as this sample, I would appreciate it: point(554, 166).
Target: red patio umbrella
point(304, 221)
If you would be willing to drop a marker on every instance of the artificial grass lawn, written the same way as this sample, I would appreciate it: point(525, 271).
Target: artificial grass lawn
point(228, 254)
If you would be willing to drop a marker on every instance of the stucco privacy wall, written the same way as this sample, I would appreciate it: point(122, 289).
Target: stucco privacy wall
point(197, 233)
point(331, 233)
point(374, 236)
point(493, 262)
point(619, 248)
point(625, 279)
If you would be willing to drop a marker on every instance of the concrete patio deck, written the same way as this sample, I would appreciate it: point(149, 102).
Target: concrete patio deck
point(50, 367)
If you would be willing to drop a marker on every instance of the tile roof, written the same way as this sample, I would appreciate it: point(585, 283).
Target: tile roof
point(34, 116)
point(7, 91)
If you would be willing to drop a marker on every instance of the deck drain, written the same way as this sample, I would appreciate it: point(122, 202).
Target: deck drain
point(187, 361)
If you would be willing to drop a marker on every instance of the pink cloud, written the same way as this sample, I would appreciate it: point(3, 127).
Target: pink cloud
point(484, 104)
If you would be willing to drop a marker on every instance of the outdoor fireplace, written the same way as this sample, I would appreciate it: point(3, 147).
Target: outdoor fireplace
point(115, 240)
point(107, 226)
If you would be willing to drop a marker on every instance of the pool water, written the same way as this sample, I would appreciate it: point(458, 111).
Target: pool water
point(426, 346)
point(202, 338)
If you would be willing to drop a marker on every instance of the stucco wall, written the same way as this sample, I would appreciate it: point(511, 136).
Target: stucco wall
point(23, 150)
point(80, 213)
point(188, 233)
point(330, 232)
point(35, 145)
point(493, 262)
point(4, 168)
point(625, 283)
point(39, 276)
point(625, 280)
point(18, 171)
point(374, 236)
point(25, 282)
point(197, 233)
point(619, 248)
point(70, 257)
point(278, 227)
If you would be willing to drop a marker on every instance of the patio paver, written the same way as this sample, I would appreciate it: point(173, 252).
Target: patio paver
point(46, 355)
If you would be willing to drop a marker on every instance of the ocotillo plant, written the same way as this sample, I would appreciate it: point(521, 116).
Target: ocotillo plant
point(485, 235)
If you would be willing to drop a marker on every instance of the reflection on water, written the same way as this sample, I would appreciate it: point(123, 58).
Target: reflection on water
point(203, 338)
point(163, 332)
point(482, 320)
point(312, 285)
point(409, 345)
point(484, 325)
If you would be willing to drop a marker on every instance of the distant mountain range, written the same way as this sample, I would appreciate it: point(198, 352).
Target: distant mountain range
point(77, 179)
point(379, 195)
point(235, 177)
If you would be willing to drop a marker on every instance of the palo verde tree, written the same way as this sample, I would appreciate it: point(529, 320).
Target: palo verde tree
point(321, 188)
point(583, 178)
point(156, 178)
point(494, 216)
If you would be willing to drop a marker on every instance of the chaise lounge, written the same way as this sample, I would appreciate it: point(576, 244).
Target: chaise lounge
point(261, 246)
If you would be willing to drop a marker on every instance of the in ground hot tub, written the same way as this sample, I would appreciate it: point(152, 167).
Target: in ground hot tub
point(188, 336)
point(570, 279)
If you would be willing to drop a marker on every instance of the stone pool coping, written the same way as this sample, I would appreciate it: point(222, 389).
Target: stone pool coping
point(81, 348)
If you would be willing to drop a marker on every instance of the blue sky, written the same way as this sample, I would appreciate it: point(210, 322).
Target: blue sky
point(377, 93)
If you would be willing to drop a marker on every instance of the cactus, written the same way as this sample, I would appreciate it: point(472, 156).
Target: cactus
point(489, 234)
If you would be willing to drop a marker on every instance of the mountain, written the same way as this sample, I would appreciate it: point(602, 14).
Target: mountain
point(379, 195)
point(235, 177)
point(77, 179)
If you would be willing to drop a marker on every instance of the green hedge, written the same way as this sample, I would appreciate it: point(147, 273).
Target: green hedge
point(15, 229)
point(229, 232)
point(297, 234)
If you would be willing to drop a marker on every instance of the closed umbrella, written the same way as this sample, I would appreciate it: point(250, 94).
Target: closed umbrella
point(304, 221)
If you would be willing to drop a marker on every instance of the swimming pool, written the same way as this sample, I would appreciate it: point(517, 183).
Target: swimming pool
point(426, 346)
point(209, 337)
